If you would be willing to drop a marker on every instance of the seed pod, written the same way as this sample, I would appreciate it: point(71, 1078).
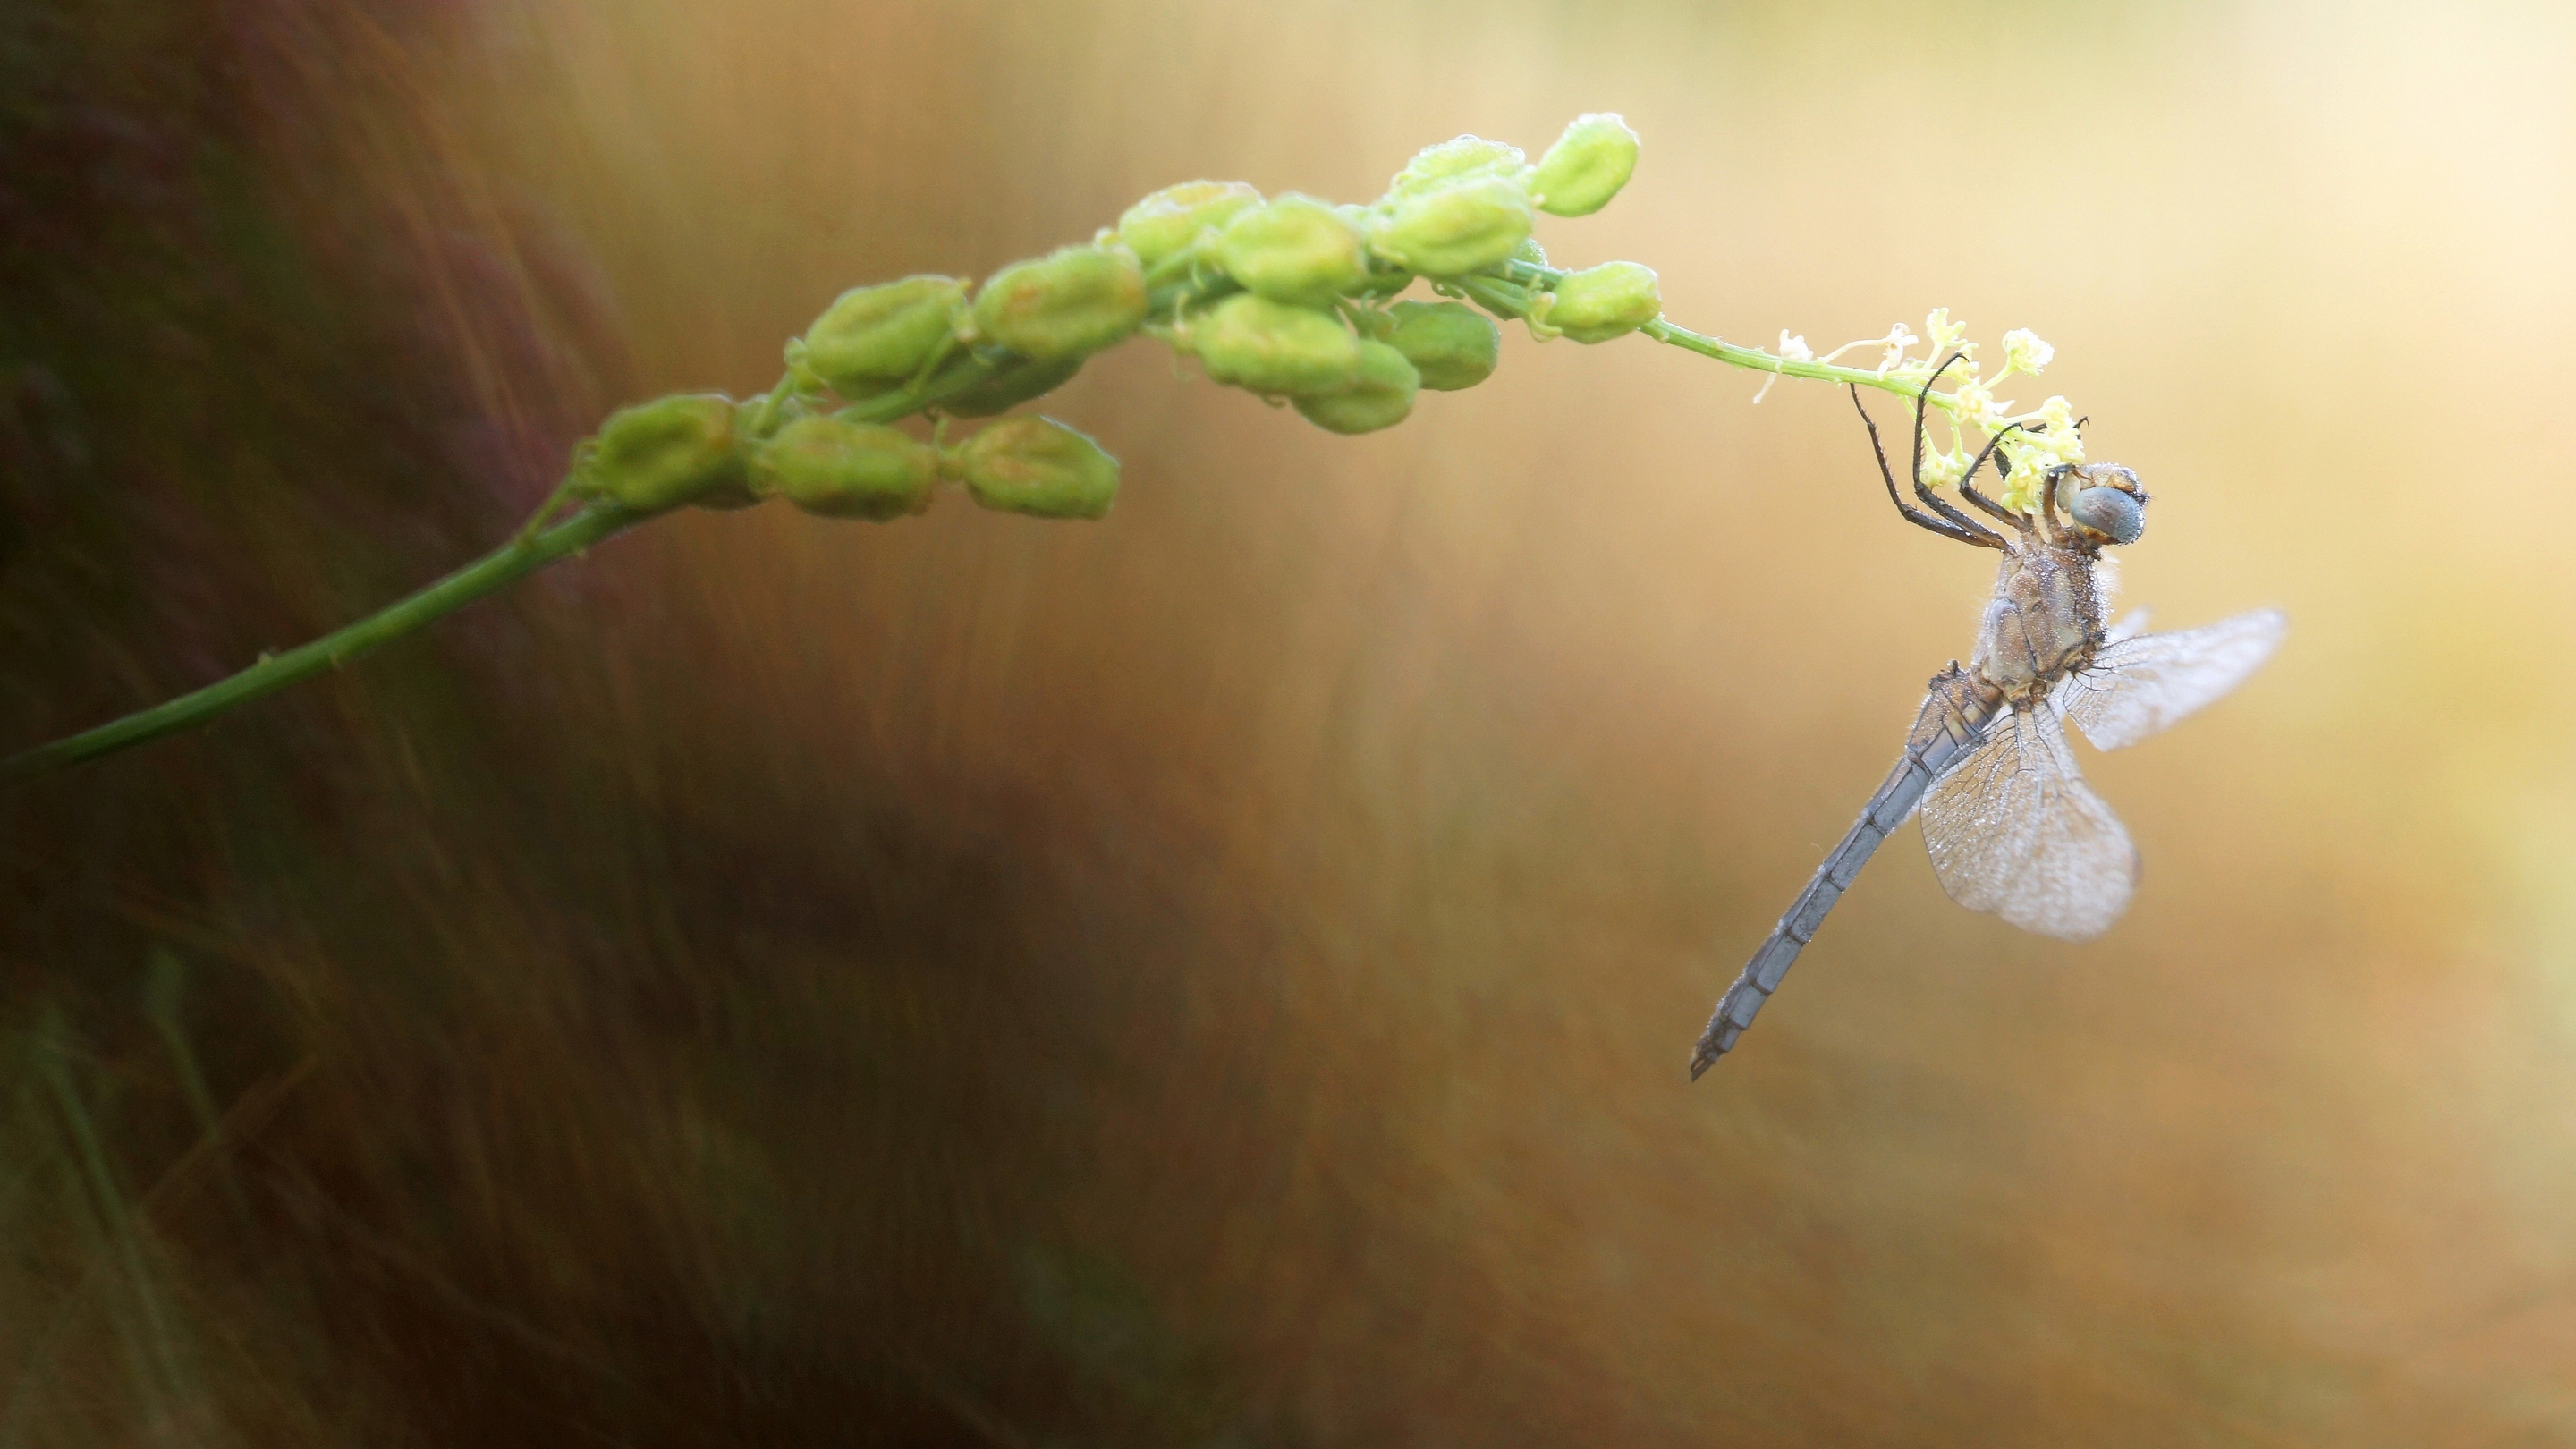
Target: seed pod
point(1270, 347)
point(873, 338)
point(1379, 397)
point(1173, 217)
point(1016, 383)
point(1075, 301)
point(661, 454)
point(1610, 300)
point(844, 469)
point(1453, 229)
point(1294, 249)
point(1586, 166)
point(1450, 344)
point(1456, 159)
point(1037, 466)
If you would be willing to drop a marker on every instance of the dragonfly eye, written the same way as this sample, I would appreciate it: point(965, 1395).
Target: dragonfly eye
point(2115, 513)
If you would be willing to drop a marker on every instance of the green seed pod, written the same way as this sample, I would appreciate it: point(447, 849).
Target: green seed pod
point(1454, 229)
point(873, 338)
point(1016, 383)
point(1450, 344)
point(1270, 347)
point(1380, 397)
point(1295, 249)
point(1173, 217)
point(846, 470)
point(1453, 160)
point(1586, 166)
point(1075, 301)
point(1037, 466)
point(1610, 300)
point(661, 454)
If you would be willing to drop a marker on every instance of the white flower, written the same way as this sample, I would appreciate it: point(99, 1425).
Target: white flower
point(1973, 404)
point(2024, 352)
point(1792, 349)
point(1944, 469)
point(1942, 333)
point(1896, 341)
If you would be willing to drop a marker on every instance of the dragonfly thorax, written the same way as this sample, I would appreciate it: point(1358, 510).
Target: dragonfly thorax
point(2045, 621)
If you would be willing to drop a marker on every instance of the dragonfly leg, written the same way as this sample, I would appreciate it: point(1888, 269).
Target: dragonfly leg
point(1968, 483)
point(1950, 522)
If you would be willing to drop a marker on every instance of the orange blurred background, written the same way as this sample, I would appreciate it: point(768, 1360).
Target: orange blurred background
point(1224, 975)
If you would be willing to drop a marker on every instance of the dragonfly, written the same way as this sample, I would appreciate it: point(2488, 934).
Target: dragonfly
point(2012, 828)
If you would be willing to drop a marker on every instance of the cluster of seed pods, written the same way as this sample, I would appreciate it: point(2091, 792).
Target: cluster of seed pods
point(1289, 297)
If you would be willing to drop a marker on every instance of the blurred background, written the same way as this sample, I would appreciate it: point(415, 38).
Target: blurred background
point(1223, 975)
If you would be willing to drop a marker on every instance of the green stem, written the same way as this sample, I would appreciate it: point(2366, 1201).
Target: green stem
point(501, 567)
point(1506, 292)
point(533, 549)
point(1726, 352)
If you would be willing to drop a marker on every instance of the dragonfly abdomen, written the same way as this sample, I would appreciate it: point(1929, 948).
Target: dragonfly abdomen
point(1953, 720)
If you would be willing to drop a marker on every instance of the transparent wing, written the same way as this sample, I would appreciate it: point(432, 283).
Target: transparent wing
point(2014, 831)
point(2140, 684)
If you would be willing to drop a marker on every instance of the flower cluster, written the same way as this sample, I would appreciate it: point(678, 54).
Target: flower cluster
point(2033, 442)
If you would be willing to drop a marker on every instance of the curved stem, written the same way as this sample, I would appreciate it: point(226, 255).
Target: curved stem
point(1506, 291)
point(501, 567)
point(1727, 352)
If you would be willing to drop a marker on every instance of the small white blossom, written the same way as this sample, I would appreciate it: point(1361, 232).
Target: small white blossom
point(2024, 352)
point(1974, 404)
point(1944, 469)
point(1896, 341)
point(1943, 334)
point(1792, 349)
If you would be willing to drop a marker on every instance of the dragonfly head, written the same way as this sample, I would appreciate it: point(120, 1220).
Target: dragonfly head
point(2104, 499)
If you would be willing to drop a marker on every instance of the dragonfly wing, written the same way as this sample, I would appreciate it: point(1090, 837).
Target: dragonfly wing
point(2014, 831)
point(2139, 685)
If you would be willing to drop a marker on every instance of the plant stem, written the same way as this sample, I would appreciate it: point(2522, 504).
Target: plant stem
point(501, 567)
point(1506, 292)
point(1707, 346)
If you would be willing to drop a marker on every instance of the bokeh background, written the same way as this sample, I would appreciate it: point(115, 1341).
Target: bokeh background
point(1223, 975)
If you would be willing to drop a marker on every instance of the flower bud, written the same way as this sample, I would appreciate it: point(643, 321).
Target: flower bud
point(1450, 344)
point(1263, 346)
point(1530, 251)
point(873, 338)
point(661, 454)
point(1379, 397)
point(1173, 217)
point(1295, 249)
point(1586, 166)
point(1610, 300)
point(1452, 160)
point(1453, 229)
point(1037, 466)
point(1075, 301)
point(844, 469)
point(1016, 382)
